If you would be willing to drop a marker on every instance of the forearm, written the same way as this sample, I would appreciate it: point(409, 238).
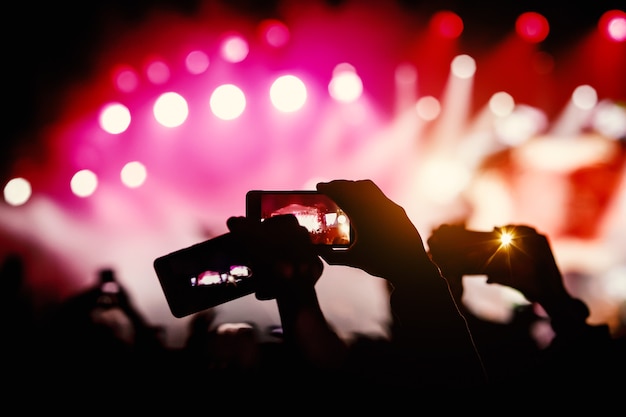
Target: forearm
point(430, 328)
point(423, 306)
point(568, 319)
point(307, 332)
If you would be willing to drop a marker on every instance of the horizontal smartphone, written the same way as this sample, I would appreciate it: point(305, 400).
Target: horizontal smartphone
point(204, 275)
point(471, 252)
point(326, 222)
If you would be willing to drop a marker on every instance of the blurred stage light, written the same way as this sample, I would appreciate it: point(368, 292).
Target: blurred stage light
point(463, 66)
point(523, 123)
point(532, 27)
point(125, 79)
point(114, 118)
point(612, 25)
point(405, 79)
point(576, 115)
point(228, 102)
point(288, 93)
point(158, 72)
point(197, 62)
point(170, 109)
point(84, 183)
point(345, 86)
point(406, 74)
point(501, 104)
point(17, 191)
point(447, 24)
point(274, 32)
point(452, 178)
point(585, 97)
point(609, 119)
point(428, 108)
point(234, 49)
point(133, 174)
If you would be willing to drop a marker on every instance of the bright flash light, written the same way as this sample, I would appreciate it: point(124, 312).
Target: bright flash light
point(506, 238)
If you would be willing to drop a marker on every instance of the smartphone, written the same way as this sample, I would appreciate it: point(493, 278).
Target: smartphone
point(326, 222)
point(204, 275)
point(472, 252)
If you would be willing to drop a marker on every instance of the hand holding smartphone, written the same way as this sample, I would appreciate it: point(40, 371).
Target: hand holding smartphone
point(218, 270)
point(204, 275)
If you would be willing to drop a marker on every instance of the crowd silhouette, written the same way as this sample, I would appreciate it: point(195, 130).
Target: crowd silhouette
point(99, 341)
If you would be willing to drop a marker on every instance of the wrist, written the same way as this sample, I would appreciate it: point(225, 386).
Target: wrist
point(294, 298)
point(568, 315)
point(414, 271)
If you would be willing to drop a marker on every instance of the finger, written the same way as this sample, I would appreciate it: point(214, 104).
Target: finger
point(238, 224)
point(349, 195)
point(286, 228)
point(360, 200)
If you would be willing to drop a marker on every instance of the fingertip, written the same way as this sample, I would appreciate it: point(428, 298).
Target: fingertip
point(235, 222)
point(321, 186)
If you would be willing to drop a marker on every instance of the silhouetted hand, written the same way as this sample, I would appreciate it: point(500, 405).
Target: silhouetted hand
point(287, 267)
point(526, 264)
point(281, 251)
point(428, 332)
point(386, 242)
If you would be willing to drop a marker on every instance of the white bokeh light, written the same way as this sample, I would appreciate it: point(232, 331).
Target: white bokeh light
point(585, 97)
point(17, 191)
point(288, 93)
point(521, 124)
point(234, 49)
point(609, 119)
point(171, 109)
point(428, 108)
point(114, 118)
point(501, 104)
point(84, 183)
point(463, 66)
point(133, 174)
point(228, 102)
point(345, 86)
